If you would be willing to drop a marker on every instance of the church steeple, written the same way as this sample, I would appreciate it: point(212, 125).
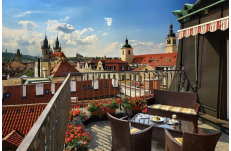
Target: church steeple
point(45, 42)
point(126, 41)
point(56, 48)
point(171, 33)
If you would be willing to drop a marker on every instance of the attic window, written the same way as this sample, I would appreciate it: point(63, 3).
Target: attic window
point(64, 72)
point(105, 67)
point(4, 112)
point(85, 88)
point(122, 68)
point(105, 85)
point(156, 59)
point(18, 111)
point(174, 57)
point(161, 57)
point(31, 110)
point(8, 95)
point(109, 67)
point(89, 87)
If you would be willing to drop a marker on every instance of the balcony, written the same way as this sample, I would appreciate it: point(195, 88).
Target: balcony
point(79, 89)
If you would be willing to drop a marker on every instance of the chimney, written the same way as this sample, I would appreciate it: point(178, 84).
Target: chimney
point(38, 67)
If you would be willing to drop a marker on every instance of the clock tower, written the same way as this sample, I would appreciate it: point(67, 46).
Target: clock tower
point(170, 45)
point(127, 52)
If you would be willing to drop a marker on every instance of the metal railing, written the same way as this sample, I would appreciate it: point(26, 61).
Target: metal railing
point(123, 84)
point(49, 131)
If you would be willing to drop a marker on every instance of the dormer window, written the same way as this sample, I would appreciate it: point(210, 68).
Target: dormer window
point(122, 68)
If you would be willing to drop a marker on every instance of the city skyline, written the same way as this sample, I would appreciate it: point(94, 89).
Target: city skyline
point(92, 28)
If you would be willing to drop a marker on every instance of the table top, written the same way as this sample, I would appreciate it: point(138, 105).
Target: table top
point(185, 126)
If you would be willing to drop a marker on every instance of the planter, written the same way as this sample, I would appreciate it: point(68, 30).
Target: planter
point(111, 111)
point(136, 108)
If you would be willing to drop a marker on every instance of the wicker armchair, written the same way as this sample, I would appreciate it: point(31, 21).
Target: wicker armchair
point(183, 141)
point(125, 139)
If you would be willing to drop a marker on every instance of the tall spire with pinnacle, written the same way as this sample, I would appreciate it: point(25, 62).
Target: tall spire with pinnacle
point(171, 33)
point(126, 41)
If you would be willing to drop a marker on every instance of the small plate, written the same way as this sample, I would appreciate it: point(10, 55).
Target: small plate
point(158, 121)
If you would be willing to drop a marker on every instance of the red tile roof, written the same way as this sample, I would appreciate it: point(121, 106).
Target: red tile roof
point(13, 137)
point(57, 54)
point(148, 58)
point(63, 68)
point(20, 117)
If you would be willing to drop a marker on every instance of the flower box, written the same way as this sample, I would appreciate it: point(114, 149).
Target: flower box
point(111, 111)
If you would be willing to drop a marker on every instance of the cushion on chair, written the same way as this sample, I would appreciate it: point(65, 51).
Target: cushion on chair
point(173, 109)
point(179, 139)
point(134, 130)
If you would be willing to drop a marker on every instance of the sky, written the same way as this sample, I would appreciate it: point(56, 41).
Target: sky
point(89, 27)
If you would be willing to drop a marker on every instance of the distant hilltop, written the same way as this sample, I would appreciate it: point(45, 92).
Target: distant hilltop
point(7, 56)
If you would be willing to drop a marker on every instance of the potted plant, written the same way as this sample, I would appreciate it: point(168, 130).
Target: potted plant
point(77, 117)
point(133, 104)
point(102, 107)
point(77, 138)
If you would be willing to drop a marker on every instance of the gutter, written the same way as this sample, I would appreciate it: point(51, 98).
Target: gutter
point(201, 9)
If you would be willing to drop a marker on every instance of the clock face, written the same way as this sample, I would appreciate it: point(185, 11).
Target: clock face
point(168, 41)
point(174, 41)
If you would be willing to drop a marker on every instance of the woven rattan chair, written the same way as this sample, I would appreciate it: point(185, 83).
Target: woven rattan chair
point(183, 141)
point(126, 138)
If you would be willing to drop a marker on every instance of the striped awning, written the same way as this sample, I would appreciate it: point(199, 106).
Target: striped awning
point(222, 24)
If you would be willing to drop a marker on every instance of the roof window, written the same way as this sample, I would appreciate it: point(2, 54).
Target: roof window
point(18, 111)
point(4, 112)
point(31, 110)
point(7, 95)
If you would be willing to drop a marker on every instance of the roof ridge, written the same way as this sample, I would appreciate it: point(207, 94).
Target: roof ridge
point(18, 105)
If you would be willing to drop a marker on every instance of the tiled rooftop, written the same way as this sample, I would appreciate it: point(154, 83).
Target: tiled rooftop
point(62, 69)
point(20, 117)
point(13, 138)
point(155, 58)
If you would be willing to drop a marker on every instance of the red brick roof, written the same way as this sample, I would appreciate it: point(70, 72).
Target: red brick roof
point(57, 54)
point(20, 117)
point(150, 58)
point(63, 69)
point(13, 137)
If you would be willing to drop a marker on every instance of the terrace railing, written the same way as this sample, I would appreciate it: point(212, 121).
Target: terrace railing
point(49, 131)
point(118, 84)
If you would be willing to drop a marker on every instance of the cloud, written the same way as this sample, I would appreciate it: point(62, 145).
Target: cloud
point(28, 25)
point(65, 19)
point(27, 41)
point(105, 34)
point(25, 13)
point(24, 42)
point(90, 29)
point(54, 26)
point(108, 21)
point(139, 48)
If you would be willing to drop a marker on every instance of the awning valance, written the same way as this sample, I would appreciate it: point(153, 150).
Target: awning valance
point(222, 24)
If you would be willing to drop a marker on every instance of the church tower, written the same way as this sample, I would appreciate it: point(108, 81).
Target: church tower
point(18, 56)
point(127, 52)
point(57, 48)
point(45, 50)
point(170, 46)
